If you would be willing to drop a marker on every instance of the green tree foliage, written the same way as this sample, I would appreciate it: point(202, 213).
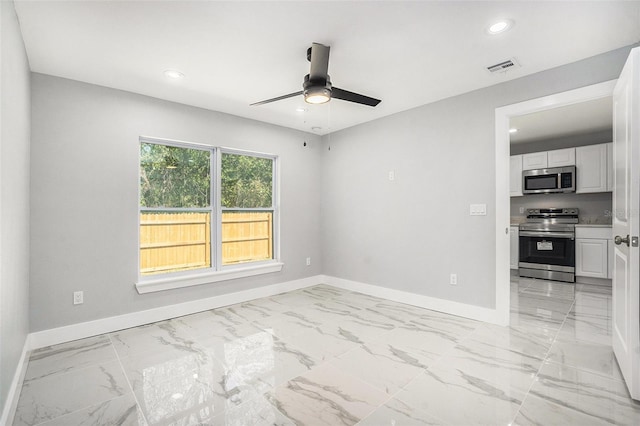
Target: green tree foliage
point(174, 177)
point(247, 182)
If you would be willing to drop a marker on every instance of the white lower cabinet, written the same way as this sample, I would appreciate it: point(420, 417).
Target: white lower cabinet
point(515, 246)
point(593, 247)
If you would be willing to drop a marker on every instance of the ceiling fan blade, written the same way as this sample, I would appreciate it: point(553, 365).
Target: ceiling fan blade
point(345, 95)
point(279, 98)
point(319, 62)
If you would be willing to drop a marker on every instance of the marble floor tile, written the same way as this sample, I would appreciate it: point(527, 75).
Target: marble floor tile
point(599, 398)
point(158, 336)
point(398, 413)
point(494, 366)
point(60, 394)
point(424, 342)
point(69, 356)
point(593, 357)
point(326, 396)
point(555, 289)
point(324, 355)
point(262, 360)
point(514, 339)
point(122, 411)
point(462, 398)
point(591, 328)
point(381, 365)
point(537, 411)
point(175, 391)
point(257, 412)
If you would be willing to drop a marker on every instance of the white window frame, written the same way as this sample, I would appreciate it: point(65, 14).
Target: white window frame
point(216, 272)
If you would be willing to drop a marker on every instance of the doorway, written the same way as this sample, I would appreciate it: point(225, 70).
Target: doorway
point(504, 115)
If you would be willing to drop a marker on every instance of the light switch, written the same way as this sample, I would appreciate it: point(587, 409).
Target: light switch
point(478, 209)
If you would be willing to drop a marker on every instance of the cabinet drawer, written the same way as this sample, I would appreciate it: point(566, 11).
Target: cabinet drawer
point(604, 233)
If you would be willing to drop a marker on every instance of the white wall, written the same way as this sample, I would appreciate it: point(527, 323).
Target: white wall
point(84, 201)
point(14, 196)
point(411, 233)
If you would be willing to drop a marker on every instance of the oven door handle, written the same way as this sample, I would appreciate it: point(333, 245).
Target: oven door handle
point(545, 234)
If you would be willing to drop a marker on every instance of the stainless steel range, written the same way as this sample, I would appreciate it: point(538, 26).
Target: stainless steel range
point(548, 244)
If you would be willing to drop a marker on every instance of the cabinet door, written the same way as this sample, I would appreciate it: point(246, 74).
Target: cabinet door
point(610, 167)
point(592, 258)
point(535, 160)
point(610, 258)
point(561, 157)
point(591, 168)
point(514, 247)
point(515, 175)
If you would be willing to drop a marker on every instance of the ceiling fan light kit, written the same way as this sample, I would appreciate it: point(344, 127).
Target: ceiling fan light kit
point(317, 88)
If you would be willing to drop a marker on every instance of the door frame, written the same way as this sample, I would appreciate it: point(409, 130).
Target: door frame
point(502, 151)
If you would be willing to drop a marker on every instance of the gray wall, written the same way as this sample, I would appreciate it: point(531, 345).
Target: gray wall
point(14, 196)
point(411, 233)
point(84, 199)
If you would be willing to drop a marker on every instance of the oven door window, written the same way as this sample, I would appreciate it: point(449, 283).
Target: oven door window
point(548, 251)
point(540, 182)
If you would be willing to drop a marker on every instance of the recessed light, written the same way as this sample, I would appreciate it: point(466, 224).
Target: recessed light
point(173, 74)
point(513, 130)
point(500, 26)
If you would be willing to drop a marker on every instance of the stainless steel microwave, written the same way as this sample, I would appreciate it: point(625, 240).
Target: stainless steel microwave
point(547, 181)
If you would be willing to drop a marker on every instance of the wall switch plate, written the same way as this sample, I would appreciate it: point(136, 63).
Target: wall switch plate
point(392, 175)
point(453, 279)
point(478, 209)
point(78, 297)
point(308, 261)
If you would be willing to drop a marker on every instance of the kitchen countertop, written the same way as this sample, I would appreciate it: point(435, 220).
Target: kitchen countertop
point(592, 225)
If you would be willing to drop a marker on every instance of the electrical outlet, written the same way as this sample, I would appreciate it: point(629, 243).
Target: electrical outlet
point(78, 297)
point(392, 175)
point(453, 279)
point(308, 261)
point(521, 209)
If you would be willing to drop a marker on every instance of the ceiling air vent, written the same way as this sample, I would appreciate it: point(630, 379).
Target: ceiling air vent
point(504, 66)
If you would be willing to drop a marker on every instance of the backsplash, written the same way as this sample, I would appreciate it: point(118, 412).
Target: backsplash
point(594, 208)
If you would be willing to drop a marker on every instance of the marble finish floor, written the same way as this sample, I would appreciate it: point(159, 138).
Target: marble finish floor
point(326, 356)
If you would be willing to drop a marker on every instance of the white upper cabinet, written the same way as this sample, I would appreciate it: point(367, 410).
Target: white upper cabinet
point(591, 168)
point(535, 160)
point(561, 157)
point(515, 175)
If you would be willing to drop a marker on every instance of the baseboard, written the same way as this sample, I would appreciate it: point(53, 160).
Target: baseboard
point(11, 403)
point(605, 282)
point(419, 300)
point(72, 332)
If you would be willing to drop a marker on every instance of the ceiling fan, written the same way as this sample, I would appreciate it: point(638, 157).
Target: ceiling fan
point(317, 88)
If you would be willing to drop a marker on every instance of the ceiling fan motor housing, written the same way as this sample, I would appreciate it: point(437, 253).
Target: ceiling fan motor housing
point(317, 91)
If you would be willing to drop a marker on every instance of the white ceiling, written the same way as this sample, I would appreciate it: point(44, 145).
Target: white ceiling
point(235, 53)
point(581, 118)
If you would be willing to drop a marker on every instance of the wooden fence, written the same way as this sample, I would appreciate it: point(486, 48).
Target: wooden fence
point(180, 241)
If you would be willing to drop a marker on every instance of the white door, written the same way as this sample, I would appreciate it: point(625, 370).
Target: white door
point(626, 223)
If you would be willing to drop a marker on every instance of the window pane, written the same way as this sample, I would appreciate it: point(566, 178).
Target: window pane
point(246, 236)
point(174, 177)
point(172, 242)
point(247, 182)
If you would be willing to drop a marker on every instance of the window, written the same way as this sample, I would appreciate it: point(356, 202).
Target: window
point(204, 209)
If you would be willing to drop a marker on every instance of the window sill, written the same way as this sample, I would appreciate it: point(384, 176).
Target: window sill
point(160, 284)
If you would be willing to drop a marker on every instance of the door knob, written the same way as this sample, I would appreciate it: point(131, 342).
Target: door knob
point(619, 240)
